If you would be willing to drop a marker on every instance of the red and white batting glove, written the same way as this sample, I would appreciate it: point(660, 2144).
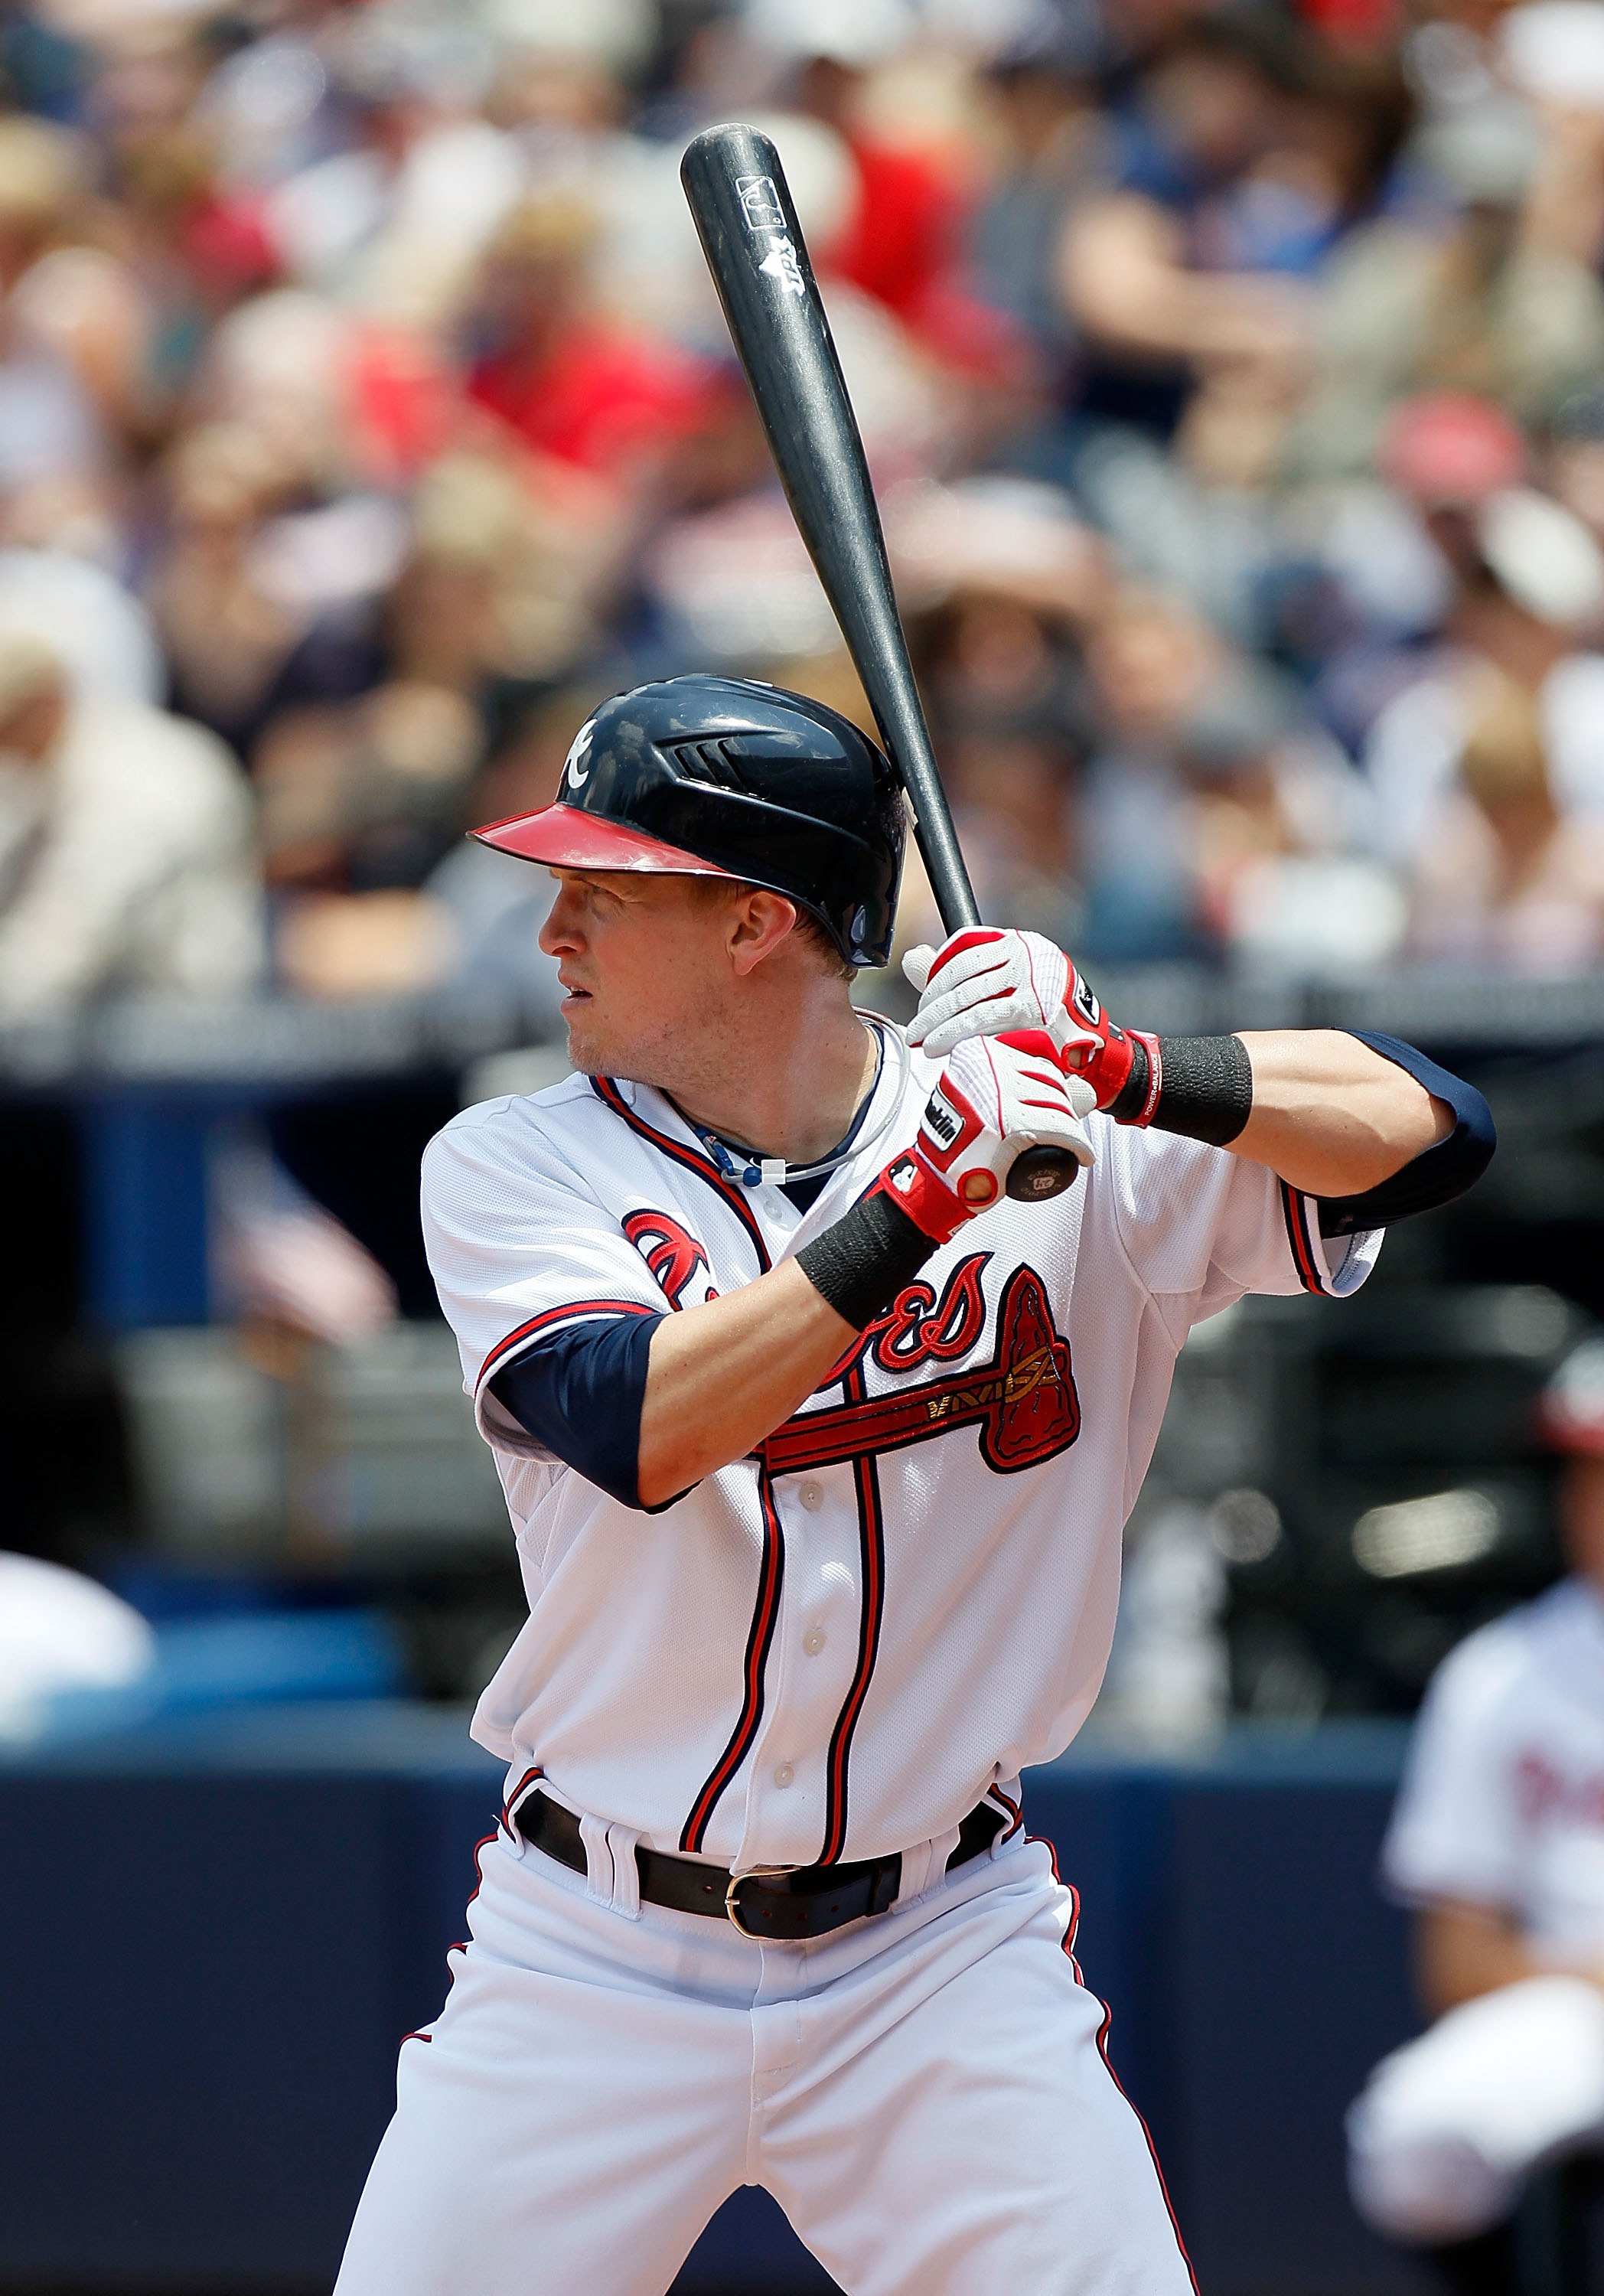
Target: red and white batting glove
point(986, 982)
point(996, 1097)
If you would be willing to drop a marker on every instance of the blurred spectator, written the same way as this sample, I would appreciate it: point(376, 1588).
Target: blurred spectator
point(1051, 135)
point(226, 634)
point(567, 383)
point(1500, 875)
point(51, 426)
point(377, 721)
point(1191, 269)
point(1498, 1843)
point(1503, 298)
point(104, 637)
point(126, 857)
point(1526, 596)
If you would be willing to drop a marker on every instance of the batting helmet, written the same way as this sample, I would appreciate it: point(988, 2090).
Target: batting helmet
point(724, 777)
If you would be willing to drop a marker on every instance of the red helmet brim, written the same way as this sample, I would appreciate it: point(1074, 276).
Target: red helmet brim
point(565, 838)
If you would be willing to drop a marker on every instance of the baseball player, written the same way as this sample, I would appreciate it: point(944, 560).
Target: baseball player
point(1498, 1840)
point(819, 1422)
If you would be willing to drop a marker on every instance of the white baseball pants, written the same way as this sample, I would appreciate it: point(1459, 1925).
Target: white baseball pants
point(924, 2093)
point(1450, 2125)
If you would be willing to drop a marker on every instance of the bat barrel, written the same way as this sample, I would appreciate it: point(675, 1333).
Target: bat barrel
point(755, 251)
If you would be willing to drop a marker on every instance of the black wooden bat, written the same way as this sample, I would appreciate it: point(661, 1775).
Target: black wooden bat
point(758, 258)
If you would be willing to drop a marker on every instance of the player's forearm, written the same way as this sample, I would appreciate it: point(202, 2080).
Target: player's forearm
point(723, 1376)
point(1332, 1117)
point(1462, 1951)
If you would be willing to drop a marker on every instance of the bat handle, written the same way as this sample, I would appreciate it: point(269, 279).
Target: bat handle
point(945, 867)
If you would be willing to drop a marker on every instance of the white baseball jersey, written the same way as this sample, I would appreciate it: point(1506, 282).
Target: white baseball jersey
point(1503, 1801)
point(833, 1649)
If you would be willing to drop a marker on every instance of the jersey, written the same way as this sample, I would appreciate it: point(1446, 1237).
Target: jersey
point(834, 1648)
point(1502, 1802)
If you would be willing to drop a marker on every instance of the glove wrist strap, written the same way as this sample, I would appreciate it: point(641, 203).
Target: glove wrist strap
point(1137, 1100)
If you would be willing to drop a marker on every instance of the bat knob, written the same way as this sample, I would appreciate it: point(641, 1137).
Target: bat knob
point(1038, 1173)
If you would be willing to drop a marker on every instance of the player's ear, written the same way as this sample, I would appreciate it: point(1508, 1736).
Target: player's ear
point(760, 923)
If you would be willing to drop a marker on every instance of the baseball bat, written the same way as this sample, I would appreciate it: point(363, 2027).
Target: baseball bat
point(747, 226)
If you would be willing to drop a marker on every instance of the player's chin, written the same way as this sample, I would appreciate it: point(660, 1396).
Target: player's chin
point(588, 1050)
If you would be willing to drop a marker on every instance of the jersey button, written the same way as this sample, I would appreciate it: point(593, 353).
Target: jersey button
point(785, 1775)
point(812, 1496)
point(813, 1642)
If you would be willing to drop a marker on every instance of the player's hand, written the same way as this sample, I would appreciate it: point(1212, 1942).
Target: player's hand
point(997, 1097)
point(985, 982)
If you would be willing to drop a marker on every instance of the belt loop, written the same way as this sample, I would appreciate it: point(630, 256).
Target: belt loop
point(918, 1865)
point(941, 1850)
point(598, 1859)
point(621, 1841)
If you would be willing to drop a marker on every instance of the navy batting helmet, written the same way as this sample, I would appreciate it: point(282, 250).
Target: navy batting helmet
point(724, 777)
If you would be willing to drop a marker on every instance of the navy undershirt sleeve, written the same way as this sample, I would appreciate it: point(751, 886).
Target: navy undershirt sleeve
point(579, 1393)
point(1437, 1176)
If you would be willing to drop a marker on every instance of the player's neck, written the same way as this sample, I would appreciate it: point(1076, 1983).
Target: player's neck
point(793, 1092)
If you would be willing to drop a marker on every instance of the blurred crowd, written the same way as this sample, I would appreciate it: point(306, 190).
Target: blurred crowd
point(1233, 373)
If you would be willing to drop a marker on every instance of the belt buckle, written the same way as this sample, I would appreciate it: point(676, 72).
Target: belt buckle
point(732, 1904)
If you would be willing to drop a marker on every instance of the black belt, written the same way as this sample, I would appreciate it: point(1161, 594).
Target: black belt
point(788, 1904)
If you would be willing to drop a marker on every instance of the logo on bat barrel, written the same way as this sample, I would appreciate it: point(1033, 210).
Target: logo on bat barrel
point(780, 263)
point(760, 203)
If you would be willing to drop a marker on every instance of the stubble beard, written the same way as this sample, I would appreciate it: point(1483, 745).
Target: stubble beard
point(657, 1057)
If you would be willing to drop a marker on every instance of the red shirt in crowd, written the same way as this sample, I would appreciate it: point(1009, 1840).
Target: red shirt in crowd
point(598, 398)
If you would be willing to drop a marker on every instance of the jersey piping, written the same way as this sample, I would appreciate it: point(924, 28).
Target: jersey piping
point(1306, 1256)
point(608, 1092)
point(771, 1579)
point(871, 1552)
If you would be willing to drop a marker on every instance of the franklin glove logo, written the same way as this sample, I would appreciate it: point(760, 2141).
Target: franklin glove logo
point(942, 1120)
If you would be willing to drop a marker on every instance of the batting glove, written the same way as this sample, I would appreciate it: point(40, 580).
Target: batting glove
point(996, 1098)
point(985, 983)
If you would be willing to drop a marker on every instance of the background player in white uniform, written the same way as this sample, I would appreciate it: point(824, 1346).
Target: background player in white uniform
point(1498, 1840)
point(818, 1444)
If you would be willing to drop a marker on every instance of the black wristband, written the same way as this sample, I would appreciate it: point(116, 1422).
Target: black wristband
point(859, 1264)
point(1205, 1090)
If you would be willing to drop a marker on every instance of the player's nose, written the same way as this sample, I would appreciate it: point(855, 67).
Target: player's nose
point(561, 936)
